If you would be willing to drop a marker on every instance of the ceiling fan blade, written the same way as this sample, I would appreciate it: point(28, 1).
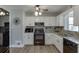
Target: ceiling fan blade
point(45, 9)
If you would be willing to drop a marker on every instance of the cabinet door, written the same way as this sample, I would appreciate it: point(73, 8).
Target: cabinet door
point(59, 20)
point(28, 39)
point(28, 21)
point(50, 21)
point(46, 21)
point(49, 38)
point(58, 42)
point(76, 15)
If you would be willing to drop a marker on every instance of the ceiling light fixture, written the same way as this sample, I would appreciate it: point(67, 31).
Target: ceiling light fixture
point(36, 13)
point(37, 10)
point(3, 12)
point(40, 13)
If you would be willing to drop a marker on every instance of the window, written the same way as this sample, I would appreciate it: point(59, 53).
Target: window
point(69, 23)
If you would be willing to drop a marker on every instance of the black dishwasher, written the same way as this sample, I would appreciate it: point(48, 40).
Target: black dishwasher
point(69, 46)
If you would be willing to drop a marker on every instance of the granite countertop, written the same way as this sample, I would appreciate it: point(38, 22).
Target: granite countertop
point(61, 35)
point(57, 34)
point(73, 39)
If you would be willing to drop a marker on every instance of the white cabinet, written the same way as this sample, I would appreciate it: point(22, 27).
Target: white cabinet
point(58, 42)
point(49, 38)
point(50, 21)
point(76, 15)
point(28, 21)
point(59, 20)
point(28, 38)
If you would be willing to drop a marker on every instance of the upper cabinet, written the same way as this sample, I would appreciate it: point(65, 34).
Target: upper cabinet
point(49, 21)
point(28, 21)
point(76, 15)
point(59, 20)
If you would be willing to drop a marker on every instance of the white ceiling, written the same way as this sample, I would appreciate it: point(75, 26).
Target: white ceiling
point(52, 9)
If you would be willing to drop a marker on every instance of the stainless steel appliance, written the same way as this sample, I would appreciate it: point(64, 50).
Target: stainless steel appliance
point(39, 35)
point(29, 29)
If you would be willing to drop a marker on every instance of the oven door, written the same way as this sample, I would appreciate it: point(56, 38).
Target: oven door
point(39, 39)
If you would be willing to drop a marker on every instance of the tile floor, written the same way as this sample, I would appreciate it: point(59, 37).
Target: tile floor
point(35, 49)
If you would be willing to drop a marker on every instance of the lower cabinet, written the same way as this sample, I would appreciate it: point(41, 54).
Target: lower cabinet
point(59, 44)
point(69, 46)
point(51, 38)
point(29, 39)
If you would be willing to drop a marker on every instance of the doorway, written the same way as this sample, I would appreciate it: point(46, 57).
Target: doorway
point(4, 31)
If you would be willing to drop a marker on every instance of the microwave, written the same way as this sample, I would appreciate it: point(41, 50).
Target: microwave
point(29, 29)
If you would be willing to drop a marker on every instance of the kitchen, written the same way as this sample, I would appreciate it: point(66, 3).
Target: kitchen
point(50, 25)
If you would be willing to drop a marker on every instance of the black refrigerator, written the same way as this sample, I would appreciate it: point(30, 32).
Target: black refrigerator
point(6, 38)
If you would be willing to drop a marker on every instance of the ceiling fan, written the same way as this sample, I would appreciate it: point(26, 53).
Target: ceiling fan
point(3, 12)
point(39, 10)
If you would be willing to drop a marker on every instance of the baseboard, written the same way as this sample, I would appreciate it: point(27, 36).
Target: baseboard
point(16, 45)
point(49, 44)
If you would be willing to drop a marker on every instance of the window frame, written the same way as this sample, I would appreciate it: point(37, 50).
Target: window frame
point(67, 25)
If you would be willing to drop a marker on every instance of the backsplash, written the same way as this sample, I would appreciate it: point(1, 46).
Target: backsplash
point(56, 29)
point(71, 33)
point(59, 30)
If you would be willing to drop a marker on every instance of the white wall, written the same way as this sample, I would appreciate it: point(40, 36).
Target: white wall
point(16, 35)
